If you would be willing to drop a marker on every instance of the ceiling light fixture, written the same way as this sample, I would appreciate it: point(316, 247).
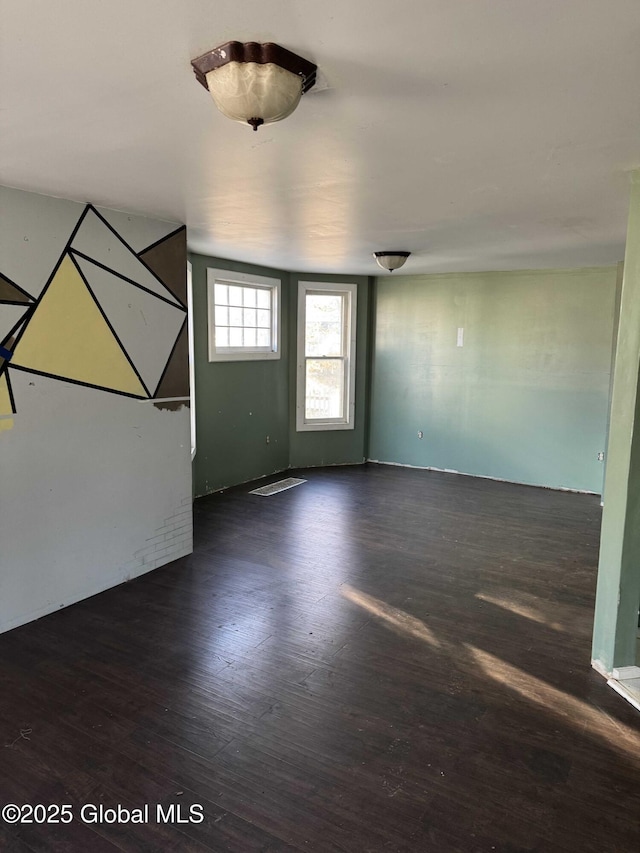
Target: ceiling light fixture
point(254, 83)
point(391, 260)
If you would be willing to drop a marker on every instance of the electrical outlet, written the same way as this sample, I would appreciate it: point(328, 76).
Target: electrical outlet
point(601, 456)
point(268, 439)
point(420, 434)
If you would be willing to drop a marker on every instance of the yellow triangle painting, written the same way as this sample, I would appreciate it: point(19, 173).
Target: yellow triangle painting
point(5, 399)
point(68, 337)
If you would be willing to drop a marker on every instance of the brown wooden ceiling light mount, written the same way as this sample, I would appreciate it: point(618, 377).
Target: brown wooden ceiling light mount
point(254, 83)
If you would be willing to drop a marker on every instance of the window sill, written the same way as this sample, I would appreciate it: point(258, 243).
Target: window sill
point(322, 426)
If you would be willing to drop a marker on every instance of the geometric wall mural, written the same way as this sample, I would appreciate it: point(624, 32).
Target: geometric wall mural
point(107, 318)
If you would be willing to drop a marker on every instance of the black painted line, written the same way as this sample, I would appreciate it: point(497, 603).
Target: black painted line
point(17, 287)
point(40, 298)
point(24, 319)
point(77, 382)
point(162, 240)
point(83, 215)
point(112, 330)
point(173, 349)
point(124, 278)
point(10, 389)
point(127, 246)
point(55, 269)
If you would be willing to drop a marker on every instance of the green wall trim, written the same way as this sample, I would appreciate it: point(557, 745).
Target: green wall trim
point(618, 588)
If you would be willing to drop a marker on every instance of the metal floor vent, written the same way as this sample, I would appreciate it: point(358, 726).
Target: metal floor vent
point(280, 486)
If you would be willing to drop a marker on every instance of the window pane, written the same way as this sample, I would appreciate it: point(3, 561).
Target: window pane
point(324, 388)
point(324, 325)
point(247, 310)
point(235, 316)
point(235, 295)
point(264, 338)
point(264, 319)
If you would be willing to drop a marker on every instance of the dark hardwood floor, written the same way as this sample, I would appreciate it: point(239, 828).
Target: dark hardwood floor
point(380, 659)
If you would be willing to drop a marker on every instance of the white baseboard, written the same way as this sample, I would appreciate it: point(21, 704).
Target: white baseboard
point(632, 696)
point(481, 477)
point(600, 667)
point(622, 673)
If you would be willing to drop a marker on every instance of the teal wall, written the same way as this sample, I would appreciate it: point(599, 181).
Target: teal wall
point(239, 404)
point(524, 399)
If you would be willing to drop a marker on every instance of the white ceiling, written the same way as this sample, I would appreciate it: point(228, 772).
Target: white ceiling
point(478, 134)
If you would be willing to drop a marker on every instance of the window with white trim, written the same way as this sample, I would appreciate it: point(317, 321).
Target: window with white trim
point(326, 356)
point(243, 316)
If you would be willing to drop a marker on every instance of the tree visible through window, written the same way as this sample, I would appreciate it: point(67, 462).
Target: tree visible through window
point(326, 356)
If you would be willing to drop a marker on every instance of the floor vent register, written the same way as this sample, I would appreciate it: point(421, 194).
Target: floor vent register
point(280, 486)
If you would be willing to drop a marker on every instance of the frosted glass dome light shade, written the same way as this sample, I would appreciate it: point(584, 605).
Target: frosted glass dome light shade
point(246, 91)
point(391, 260)
point(254, 83)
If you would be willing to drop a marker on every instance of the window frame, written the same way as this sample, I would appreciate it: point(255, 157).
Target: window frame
point(350, 291)
point(241, 279)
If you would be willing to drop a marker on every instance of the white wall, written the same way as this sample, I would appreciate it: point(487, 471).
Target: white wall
point(95, 487)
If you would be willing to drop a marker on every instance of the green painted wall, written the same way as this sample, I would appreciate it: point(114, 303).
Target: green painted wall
point(618, 591)
point(238, 403)
point(524, 399)
point(332, 447)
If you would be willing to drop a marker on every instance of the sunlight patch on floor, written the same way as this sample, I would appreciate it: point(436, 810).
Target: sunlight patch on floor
point(573, 712)
point(528, 611)
point(397, 620)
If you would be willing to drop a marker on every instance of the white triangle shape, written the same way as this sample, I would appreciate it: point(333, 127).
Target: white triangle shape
point(146, 327)
point(9, 316)
point(96, 240)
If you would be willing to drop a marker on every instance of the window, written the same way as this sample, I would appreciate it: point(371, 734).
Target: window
point(243, 316)
point(326, 356)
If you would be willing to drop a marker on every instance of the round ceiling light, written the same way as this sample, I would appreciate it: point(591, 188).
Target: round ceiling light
point(391, 260)
point(254, 83)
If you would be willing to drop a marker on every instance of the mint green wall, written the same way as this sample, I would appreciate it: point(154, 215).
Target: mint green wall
point(524, 399)
point(332, 447)
point(238, 403)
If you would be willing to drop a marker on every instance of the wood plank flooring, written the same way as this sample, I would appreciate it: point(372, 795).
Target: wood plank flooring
point(380, 659)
